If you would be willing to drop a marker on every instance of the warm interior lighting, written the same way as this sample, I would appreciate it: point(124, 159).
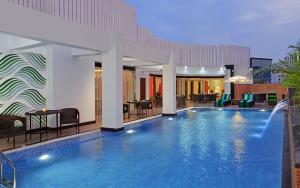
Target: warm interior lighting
point(44, 109)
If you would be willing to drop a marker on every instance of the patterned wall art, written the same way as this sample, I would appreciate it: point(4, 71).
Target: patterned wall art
point(22, 82)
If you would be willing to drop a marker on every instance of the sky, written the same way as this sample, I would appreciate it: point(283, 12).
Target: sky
point(267, 26)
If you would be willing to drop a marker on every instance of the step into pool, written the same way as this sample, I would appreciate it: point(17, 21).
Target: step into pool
point(201, 147)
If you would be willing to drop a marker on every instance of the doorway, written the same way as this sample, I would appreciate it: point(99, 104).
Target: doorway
point(142, 88)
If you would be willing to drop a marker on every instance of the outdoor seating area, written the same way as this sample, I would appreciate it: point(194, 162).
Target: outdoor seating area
point(203, 98)
point(37, 123)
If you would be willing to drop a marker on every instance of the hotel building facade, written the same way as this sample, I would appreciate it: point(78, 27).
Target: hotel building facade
point(92, 54)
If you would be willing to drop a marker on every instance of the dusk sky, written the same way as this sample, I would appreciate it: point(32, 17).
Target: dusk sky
point(267, 26)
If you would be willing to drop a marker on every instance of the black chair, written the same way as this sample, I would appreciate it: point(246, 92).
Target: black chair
point(158, 100)
point(146, 106)
point(125, 110)
point(8, 128)
point(70, 116)
point(181, 101)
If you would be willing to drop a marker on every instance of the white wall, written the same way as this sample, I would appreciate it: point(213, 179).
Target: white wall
point(71, 82)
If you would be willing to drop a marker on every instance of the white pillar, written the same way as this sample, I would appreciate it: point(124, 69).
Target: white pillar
point(169, 87)
point(70, 83)
point(227, 85)
point(112, 90)
point(147, 86)
point(137, 84)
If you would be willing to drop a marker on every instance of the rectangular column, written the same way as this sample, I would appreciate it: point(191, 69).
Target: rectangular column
point(112, 90)
point(137, 84)
point(147, 76)
point(227, 85)
point(169, 88)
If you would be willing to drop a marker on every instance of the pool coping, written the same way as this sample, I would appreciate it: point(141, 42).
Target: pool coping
point(128, 124)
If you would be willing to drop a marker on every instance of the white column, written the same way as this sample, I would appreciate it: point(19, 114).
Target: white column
point(137, 84)
point(70, 83)
point(147, 85)
point(227, 85)
point(112, 90)
point(169, 87)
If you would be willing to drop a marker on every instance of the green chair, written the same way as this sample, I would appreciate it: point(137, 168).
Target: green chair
point(272, 99)
point(247, 101)
point(224, 101)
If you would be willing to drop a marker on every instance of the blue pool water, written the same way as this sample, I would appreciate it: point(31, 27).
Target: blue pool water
point(198, 148)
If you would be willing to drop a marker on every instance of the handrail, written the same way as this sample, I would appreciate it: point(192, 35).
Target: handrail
point(12, 166)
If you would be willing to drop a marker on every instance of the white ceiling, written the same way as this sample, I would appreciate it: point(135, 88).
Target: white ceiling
point(11, 42)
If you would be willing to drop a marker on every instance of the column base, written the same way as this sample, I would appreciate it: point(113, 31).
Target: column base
point(112, 129)
point(169, 114)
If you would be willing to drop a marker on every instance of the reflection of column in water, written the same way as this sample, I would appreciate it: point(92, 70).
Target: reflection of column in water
point(239, 150)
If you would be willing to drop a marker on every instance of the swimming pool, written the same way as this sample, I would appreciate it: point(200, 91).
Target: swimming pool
point(198, 148)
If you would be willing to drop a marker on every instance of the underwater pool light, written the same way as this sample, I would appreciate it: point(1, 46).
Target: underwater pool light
point(130, 131)
point(262, 110)
point(170, 118)
point(44, 157)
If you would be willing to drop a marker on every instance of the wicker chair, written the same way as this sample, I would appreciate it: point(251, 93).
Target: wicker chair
point(158, 101)
point(146, 106)
point(125, 110)
point(181, 101)
point(8, 128)
point(70, 116)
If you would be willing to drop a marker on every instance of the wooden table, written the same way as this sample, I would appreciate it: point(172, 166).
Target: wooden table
point(44, 114)
point(135, 103)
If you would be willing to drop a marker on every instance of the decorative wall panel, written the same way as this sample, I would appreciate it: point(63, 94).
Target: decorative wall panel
point(22, 82)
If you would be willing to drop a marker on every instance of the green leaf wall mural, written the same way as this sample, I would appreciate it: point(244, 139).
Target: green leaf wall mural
point(33, 97)
point(38, 61)
point(22, 83)
point(10, 63)
point(32, 76)
point(9, 88)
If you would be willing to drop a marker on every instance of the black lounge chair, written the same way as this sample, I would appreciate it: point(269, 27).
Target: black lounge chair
point(158, 101)
point(146, 106)
point(9, 129)
point(70, 116)
point(181, 100)
point(125, 110)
